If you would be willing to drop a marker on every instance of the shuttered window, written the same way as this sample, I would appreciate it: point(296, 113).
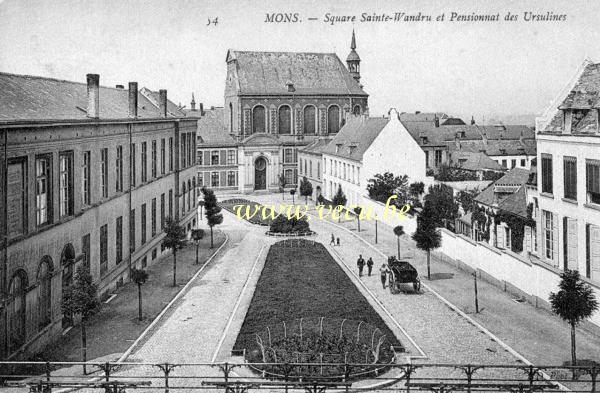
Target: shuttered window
point(592, 176)
point(570, 177)
point(547, 173)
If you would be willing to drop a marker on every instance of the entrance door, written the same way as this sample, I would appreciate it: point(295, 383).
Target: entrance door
point(67, 262)
point(260, 174)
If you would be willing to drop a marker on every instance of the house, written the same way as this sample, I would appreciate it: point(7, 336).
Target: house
point(310, 161)
point(566, 196)
point(367, 146)
point(92, 173)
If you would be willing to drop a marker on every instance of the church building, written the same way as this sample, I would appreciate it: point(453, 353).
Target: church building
point(275, 103)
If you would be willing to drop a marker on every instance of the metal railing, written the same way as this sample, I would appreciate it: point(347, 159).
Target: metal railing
point(242, 377)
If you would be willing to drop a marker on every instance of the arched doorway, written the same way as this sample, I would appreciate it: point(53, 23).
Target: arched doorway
point(260, 174)
point(17, 315)
point(67, 263)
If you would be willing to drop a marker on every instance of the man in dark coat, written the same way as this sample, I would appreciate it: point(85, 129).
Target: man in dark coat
point(369, 266)
point(361, 264)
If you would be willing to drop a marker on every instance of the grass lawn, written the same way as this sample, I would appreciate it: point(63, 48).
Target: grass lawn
point(253, 206)
point(304, 282)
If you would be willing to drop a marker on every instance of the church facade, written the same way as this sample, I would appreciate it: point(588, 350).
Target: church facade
point(275, 103)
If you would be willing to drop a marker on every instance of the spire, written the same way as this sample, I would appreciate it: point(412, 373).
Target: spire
point(353, 60)
point(193, 103)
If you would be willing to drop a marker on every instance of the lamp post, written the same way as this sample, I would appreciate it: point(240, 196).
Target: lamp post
point(292, 193)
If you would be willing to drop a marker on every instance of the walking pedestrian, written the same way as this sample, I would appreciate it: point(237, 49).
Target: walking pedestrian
point(332, 242)
point(383, 270)
point(361, 264)
point(338, 241)
point(369, 266)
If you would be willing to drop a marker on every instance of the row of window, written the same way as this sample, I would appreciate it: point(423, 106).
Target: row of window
point(217, 157)
point(513, 163)
point(342, 170)
point(308, 170)
point(592, 173)
point(284, 119)
point(216, 179)
point(437, 158)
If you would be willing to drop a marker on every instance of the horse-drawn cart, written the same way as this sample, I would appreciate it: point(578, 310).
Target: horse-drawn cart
point(402, 272)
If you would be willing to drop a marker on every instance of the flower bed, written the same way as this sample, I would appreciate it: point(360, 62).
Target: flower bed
point(257, 218)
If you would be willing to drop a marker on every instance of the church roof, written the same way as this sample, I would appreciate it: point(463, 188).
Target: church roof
point(26, 97)
point(310, 73)
point(355, 137)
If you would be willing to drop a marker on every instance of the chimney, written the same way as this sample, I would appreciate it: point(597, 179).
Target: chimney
point(201, 109)
point(472, 121)
point(93, 96)
point(193, 103)
point(133, 100)
point(162, 102)
point(436, 121)
point(120, 87)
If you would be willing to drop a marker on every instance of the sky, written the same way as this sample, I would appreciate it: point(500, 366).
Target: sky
point(461, 68)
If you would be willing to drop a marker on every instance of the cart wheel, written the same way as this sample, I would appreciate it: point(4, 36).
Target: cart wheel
point(417, 286)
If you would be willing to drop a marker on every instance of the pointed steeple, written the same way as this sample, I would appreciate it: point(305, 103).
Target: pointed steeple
point(193, 103)
point(353, 60)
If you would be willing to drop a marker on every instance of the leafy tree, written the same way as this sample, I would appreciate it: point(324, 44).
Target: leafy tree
point(574, 302)
point(212, 211)
point(281, 224)
point(448, 173)
point(139, 276)
point(466, 199)
point(382, 186)
point(197, 235)
point(427, 235)
point(175, 240)
point(357, 211)
point(416, 189)
point(398, 231)
point(444, 208)
point(81, 298)
point(305, 189)
point(292, 193)
point(339, 199)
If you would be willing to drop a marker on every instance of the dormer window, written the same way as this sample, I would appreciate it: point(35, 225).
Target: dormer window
point(424, 140)
point(578, 115)
point(462, 134)
point(290, 87)
point(337, 147)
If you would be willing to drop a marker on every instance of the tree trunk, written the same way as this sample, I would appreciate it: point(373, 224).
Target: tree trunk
point(398, 239)
point(358, 217)
point(83, 345)
point(140, 302)
point(573, 351)
point(211, 237)
point(197, 244)
point(174, 267)
point(428, 265)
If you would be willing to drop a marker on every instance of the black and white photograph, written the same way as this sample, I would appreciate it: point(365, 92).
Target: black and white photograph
point(299, 197)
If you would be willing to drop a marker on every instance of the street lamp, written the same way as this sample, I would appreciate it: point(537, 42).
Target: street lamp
point(292, 193)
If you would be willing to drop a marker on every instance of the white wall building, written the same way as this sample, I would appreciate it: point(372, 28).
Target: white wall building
point(365, 147)
point(566, 203)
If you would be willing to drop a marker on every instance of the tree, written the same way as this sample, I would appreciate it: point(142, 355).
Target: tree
point(427, 236)
point(444, 208)
point(305, 189)
point(466, 199)
point(197, 235)
point(212, 211)
point(574, 302)
point(381, 187)
point(281, 179)
point(339, 199)
point(175, 240)
point(139, 276)
point(81, 298)
point(398, 231)
point(415, 190)
point(292, 193)
point(357, 211)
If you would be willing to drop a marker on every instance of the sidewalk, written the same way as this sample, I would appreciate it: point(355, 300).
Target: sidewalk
point(111, 331)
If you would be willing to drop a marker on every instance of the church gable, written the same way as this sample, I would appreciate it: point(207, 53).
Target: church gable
point(260, 139)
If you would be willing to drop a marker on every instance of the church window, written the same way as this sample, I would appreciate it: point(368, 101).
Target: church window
point(309, 119)
point(285, 120)
point(333, 119)
point(258, 119)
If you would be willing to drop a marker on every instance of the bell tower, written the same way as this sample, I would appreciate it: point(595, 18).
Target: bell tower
point(353, 60)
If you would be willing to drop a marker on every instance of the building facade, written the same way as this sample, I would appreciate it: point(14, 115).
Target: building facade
point(274, 104)
point(89, 175)
point(566, 198)
point(310, 165)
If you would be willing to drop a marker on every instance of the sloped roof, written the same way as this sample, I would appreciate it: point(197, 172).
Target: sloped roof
point(154, 98)
point(25, 97)
point(515, 203)
point(317, 146)
point(423, 116)
point(497, 192)
point(355, 137)
point(211, 129)
point(498, 147)
point(474, 161)
point(584, 95)
point(310, 73)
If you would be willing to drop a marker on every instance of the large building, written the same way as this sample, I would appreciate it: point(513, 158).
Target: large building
point(566, 198)
point(275, 103)
point(88, 176)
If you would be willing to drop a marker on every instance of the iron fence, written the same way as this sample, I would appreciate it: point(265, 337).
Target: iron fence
point(46, 377)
